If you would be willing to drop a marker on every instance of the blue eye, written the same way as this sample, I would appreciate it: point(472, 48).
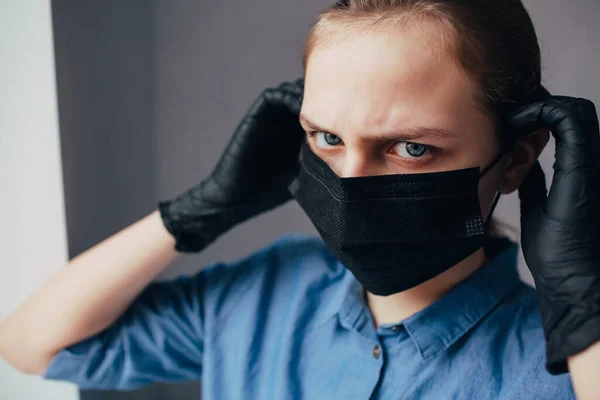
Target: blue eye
point(411, 150)
point(325, 140)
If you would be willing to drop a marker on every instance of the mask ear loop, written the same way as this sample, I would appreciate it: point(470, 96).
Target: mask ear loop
point(486, 224)
point(492, 164)
point(539, 93)
point(487, 169)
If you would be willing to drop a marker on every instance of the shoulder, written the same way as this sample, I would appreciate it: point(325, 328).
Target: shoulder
point(294, 254)
point(518, 313)
point(523, 345)
point(284, 277)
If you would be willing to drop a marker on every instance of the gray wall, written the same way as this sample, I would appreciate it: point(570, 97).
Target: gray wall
point(105, 79)
point(149, 93)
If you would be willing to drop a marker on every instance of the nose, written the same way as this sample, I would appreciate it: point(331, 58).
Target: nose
point(356, 164)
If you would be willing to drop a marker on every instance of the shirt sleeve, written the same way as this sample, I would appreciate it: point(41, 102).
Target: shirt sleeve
point(159, 338)
point(163, 335)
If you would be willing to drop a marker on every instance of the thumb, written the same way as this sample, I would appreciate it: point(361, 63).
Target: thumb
point(532, 192)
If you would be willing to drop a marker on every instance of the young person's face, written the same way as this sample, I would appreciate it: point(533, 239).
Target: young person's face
point(392, 101)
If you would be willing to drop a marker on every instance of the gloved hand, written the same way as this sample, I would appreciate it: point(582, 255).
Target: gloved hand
point(251, 177)
point(561, 233)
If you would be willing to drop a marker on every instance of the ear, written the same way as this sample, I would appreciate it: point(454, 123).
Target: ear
point(520, 159)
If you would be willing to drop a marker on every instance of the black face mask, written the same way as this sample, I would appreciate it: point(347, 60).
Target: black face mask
point(393, 232)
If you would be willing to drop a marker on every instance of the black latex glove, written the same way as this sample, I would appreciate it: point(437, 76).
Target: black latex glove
point(251, 177)
point(560, 233)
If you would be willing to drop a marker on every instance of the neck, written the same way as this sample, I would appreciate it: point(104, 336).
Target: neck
point(396, 307)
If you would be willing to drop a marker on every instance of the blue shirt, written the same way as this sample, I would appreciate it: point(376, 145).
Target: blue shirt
point(290, 322)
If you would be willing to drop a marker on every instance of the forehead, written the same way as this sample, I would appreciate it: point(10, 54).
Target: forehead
point(388, 77)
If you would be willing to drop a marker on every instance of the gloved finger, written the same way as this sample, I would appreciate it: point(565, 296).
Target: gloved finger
point(532, 192)
point(299, 84)
point(574, 124)
point(274, 103)
point(292, 87)
point(572, 121)
point(287, 95)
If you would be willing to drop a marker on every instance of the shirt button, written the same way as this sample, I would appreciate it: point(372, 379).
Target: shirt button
point(376, 351)
point(396, 328)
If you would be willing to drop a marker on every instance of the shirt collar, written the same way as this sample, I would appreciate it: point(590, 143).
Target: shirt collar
point(448, 319)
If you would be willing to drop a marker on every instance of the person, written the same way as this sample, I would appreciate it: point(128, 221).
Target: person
point(412, 118)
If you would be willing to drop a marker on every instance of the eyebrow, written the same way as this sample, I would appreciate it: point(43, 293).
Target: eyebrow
point(406, 134)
